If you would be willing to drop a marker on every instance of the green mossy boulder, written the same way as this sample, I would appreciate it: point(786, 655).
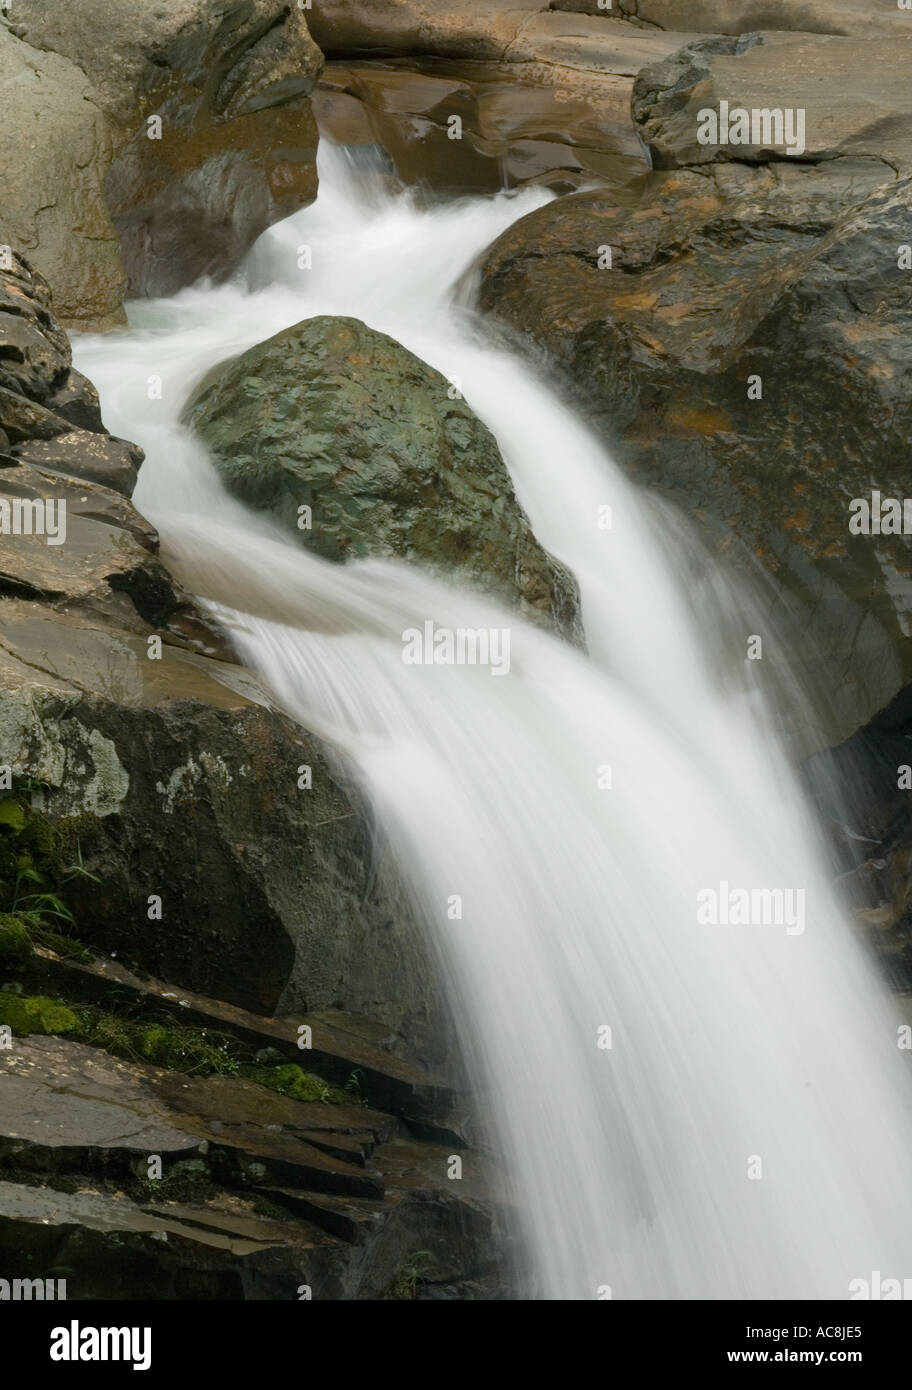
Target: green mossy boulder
point(334, 416)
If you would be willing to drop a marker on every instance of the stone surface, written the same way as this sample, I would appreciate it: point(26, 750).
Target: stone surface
point(57, 145)
point(340, 1044)
point(86, 454)
point(185, 786)
point(514, 130)
point(336, 416)
point(469, 29)
point(870, 833)
point(849, 17)
point(550, 106)
point(236, 147)
point(720, 274)
point(77, 1132)
point(856, 97)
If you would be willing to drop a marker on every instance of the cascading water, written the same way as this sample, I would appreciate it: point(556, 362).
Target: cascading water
point(747, 1131)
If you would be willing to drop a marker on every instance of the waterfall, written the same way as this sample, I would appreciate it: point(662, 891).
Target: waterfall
point(686, 1107)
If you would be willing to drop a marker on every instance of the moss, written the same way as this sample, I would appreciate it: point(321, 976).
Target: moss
point(179, 1049)
point(36, 1014)
point(26, 836)
point(12, 816)
point(185, 1049)
point(15, 941)
point(66, 947)
point(165, 1045)
point(290, 1080)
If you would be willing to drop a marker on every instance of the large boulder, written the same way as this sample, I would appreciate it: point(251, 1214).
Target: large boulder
point(205, 134)
point(723, 281)
point(332, 415)
point(57, 145)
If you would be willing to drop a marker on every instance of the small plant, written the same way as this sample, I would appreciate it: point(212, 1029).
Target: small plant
point(78, 870)
point(353, 1084)
point(409, 1276)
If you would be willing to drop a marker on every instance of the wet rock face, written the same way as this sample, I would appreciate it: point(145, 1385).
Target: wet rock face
point(468, 28)
point(93, 551)
point(545, 100)
point(337, 417)
point(512, 131)
point(790, 277)
point(252, 1194)
point(203, 136)
point(869, 831)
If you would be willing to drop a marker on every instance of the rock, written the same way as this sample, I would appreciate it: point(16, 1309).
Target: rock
point(338, 417)
point(514, 131)
point(87, 1123)
point(744, 16)
point(853, 99)
point(467, 29)
point(236, 146)
point(122, 1251)
point(86, 454)
point(341, 1044)
point(869, 832)
point(552, 106)
point(719, 275)
point(56, 149)
point(188, 746)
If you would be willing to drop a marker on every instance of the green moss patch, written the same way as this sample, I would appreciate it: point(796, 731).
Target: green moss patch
point(191, 1050)
point(36, 1014)
point(289, 1080)
point(15, 940)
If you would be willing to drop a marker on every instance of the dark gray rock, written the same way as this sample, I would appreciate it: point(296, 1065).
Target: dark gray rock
point(718, 275)
point(78, 1131)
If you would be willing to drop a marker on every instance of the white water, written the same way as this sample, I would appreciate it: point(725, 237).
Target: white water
point(630, 1165)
